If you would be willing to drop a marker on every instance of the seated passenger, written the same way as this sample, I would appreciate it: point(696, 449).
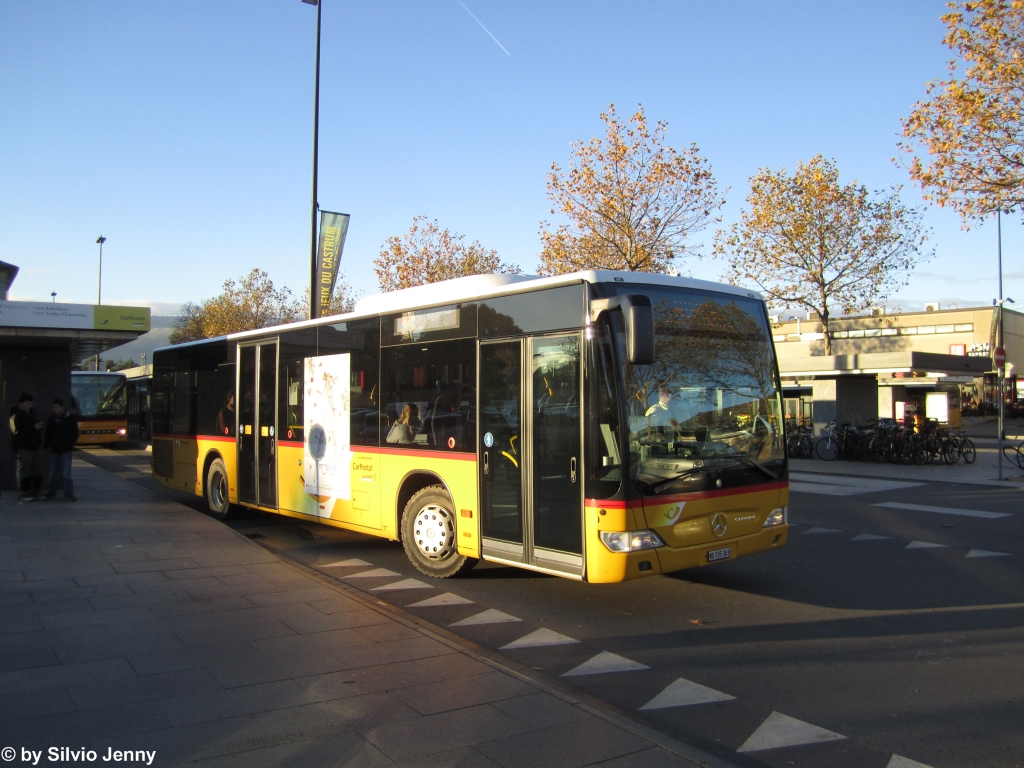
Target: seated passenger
point(404, 429)
point(664, 413)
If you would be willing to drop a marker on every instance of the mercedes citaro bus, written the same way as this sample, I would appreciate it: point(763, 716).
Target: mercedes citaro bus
point(598, 425)
point(99, 402)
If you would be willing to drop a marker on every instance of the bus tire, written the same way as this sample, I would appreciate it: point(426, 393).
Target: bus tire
point(428, 534)
point(217, 491)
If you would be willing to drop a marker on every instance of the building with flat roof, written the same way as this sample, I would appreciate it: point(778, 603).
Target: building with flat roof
point(41, 341)
point(938, 360)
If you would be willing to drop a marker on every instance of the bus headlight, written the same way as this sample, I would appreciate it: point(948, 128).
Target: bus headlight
point(122, 431)
point(630, 541)
point(778, 516)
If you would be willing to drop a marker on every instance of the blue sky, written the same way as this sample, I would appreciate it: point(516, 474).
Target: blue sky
point(182, 130)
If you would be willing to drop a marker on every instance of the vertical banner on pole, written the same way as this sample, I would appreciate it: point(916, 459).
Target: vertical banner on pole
point(333, 228)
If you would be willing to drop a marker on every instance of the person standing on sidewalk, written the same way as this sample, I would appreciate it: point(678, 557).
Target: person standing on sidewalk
point(28, 438)
point(61, 436)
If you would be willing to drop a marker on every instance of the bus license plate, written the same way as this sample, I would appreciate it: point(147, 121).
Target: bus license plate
point(719, 554)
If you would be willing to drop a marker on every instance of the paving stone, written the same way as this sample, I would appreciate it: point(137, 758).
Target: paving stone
point(453, 665)
point(466, 757)
point(656, 757)
point(356, 682)
point(337, 604)
point(347, 748)
point(22, 705)
point(62, 675)
point(442, 733)
point(379, 632)
point(237, 671)
point(338, 640)
point(431, 698)
point(185, 744)
point(540, 710)
point(234, 632)
point(325, 717)
point(567, 745)
point(218, 704)
point(111, 693)
point(386, 653)
point(82, 726)
point(321, 622)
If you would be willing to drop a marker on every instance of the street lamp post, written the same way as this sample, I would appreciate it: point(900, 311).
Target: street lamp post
point(314, 298)
point(99, 291)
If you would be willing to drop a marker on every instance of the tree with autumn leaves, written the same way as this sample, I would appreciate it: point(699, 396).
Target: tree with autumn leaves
point(965, 141)
point(429, 254)
point(806, 240)
point(630, 201)
point(249, 303)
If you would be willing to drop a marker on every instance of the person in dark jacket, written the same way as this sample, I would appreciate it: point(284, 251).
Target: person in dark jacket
point(28, 438)
point(61, 436)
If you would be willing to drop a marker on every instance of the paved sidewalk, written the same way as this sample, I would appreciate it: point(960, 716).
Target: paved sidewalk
point(136, 623)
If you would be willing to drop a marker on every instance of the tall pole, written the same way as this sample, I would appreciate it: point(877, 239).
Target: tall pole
point(1002, 368)
point(99, 287)
point(314, 294)
point(99, 290)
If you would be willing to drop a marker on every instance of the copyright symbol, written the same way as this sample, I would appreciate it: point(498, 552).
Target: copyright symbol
point(8, 753)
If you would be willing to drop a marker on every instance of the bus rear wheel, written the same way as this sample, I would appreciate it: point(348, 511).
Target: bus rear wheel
point(428, 534)
point(217, 490)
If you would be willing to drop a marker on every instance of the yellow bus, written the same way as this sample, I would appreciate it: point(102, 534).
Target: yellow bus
point(99, 400)
point(600, 426)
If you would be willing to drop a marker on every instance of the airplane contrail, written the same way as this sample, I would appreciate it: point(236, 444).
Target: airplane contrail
point(485, 29)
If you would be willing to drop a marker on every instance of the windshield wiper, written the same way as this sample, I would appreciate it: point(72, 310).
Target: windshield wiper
point(676, 478)
point(752, 463)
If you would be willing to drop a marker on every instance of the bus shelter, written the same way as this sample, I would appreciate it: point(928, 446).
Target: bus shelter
point(860, 388)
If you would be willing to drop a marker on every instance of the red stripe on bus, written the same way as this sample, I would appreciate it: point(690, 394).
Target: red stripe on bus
point(216, 438)
point(407, 452)
point(291, 443)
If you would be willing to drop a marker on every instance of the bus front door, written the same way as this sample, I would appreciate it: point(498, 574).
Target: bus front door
point(257, 424)
point(531, 452)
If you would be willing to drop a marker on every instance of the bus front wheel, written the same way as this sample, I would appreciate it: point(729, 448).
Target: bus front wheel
point(217, 490)
point(428, 534)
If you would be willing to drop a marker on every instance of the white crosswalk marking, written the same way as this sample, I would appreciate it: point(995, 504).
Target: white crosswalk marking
point(784, 731)
point(869, 537)
point(685, 693)
point(898, 761)
point(943, 510)
point(605, 662)
point(987, 553)
point(490, 616)
point(538, 639)
point(823, 530)
point(841, 485)
point(376, 573)
point(353, 563)
point(446, 599)
point(924, 545)
point(403, 584)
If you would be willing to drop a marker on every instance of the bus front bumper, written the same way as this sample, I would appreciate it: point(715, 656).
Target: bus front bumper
point(607, 566)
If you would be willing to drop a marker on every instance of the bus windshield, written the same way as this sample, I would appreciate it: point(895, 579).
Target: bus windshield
point(99, 395)
point(707, 414)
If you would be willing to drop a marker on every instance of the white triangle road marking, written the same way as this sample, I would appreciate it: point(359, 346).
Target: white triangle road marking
point(446, 599)
point(869, 537)
point(539, 638)
point(924, 545)
point(353, 563)
point(780, 730)
point(490, 616)
point(822, 530)
point(685, 693)
point(376, 573)
point(403, 584)
point(987, 553)
point(604, 662)
point(898, 761)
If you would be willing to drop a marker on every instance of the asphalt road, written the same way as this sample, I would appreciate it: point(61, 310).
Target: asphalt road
point(881, 636)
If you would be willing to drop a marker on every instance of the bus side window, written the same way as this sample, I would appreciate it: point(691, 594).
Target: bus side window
point(437, 380)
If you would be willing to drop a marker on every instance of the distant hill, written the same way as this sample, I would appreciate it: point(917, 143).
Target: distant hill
point(161, 326)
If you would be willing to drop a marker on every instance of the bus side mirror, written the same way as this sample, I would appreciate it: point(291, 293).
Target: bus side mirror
point(638, 318)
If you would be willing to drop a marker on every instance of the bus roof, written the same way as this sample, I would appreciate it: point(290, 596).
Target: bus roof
point(475, 287)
